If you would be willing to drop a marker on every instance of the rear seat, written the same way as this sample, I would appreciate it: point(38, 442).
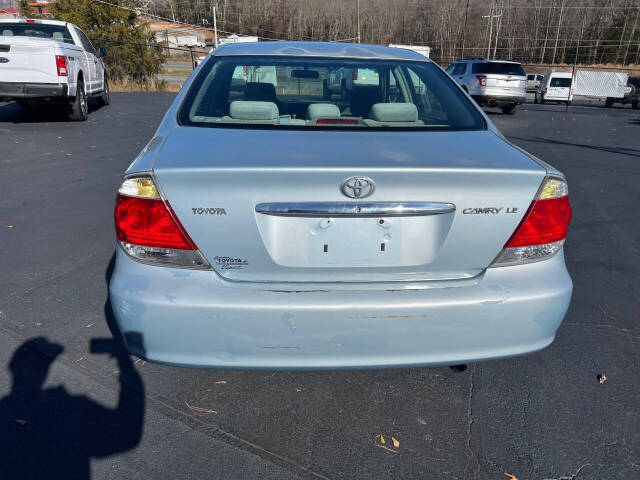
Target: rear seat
point(394, 114)
point(247, 112)
point(321, 110)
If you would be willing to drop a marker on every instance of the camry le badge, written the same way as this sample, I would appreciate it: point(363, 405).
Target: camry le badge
point(357, 187)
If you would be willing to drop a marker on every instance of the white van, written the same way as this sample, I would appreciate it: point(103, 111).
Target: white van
point(555, 87)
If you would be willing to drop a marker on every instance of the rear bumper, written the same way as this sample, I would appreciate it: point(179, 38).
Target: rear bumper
point(498, 100)
point(12, 90)
point(193, 318)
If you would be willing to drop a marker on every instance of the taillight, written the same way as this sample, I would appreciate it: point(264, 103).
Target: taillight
point(545, 91)
point(61, 65)
point(354, 74)
point(30, 20)
point(482, 80)
point(147, 228)
point(543, 228)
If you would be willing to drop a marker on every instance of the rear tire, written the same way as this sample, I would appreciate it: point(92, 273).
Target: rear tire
point(510, 109)
point(79, 109)
point(635, 105)
point(104, 100)
point(608, 102)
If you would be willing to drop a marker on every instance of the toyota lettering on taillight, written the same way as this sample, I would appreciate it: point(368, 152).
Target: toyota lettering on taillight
point(482, 80)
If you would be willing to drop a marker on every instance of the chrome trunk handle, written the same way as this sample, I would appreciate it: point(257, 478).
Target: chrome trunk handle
point(360, 209)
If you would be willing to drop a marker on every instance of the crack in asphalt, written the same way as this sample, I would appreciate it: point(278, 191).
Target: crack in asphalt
point(471, 457)
point(573, 476)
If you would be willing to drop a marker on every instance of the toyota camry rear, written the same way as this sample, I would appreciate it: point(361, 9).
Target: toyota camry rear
point(270, 224)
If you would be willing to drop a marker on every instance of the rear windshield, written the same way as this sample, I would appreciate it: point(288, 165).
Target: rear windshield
point(59, 33)
point(292, 92)
point(560, 82)
point(499, 68)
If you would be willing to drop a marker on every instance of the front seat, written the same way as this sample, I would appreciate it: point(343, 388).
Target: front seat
point(362, 99)
point(260, 92)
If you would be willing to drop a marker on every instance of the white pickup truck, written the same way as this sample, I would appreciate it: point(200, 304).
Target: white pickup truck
point(50, 61)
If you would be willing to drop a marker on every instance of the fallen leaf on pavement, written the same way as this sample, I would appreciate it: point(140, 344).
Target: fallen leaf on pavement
point(382, 440)
point(511, 476)
point(602, 378)
point(221, 382)
point(396, 443)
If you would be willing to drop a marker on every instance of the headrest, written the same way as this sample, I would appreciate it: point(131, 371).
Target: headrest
point(243, 110)
point(316, 110)
point(57, 36)
point(394, 112)
point(362, 98)
point(260, 91)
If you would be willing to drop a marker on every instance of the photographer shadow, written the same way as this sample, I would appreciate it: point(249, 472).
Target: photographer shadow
point(50, 433)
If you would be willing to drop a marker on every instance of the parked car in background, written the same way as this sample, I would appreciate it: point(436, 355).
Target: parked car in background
point(48, 61)
point(631, 95)
point(398, 228)
point(533, 81)
point(491, 83)
point(555, 87)
point(342, 80)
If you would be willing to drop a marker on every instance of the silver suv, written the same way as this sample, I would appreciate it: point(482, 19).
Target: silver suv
point(491, 83)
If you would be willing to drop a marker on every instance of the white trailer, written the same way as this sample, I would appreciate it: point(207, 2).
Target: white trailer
point(421, 49)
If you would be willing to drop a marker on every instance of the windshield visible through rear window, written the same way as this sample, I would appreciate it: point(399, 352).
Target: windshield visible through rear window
point(59, 33)
point(293, 92)
point(499, 68)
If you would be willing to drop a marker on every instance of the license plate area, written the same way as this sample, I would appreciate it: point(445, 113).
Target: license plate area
point(335, 242)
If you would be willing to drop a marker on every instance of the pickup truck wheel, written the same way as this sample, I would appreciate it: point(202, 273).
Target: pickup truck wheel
point(103, 99)
point(510, 109)
point(608, 102)
point(635, 105)
point(79, 109)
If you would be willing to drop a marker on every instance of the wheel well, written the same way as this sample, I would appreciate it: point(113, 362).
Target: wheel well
point(465, 88)
point(80, 79)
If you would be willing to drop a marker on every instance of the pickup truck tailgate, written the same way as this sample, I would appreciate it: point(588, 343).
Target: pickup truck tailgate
point(28, 60)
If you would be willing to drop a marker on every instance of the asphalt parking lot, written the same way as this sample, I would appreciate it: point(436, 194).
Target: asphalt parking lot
point(543, 416)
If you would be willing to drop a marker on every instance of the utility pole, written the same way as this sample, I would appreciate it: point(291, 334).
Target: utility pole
point(490, 17)
point(358, 10)
point(215, 28)
point(464, 30)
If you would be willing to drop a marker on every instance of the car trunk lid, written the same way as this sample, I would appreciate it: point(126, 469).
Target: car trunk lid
point(252, 200)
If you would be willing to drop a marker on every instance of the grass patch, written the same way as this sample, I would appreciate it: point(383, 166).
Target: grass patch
point(185, 72)
point(152, 85)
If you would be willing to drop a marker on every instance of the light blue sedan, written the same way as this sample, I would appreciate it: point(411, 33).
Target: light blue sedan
point(268, 224)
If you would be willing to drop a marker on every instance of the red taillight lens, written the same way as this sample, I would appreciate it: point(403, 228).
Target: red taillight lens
point(546, 221)
point(30, 20)
point(545, 91)
point(337, 121)
point(482, 80)
point(147, 222)
point(61, 64)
